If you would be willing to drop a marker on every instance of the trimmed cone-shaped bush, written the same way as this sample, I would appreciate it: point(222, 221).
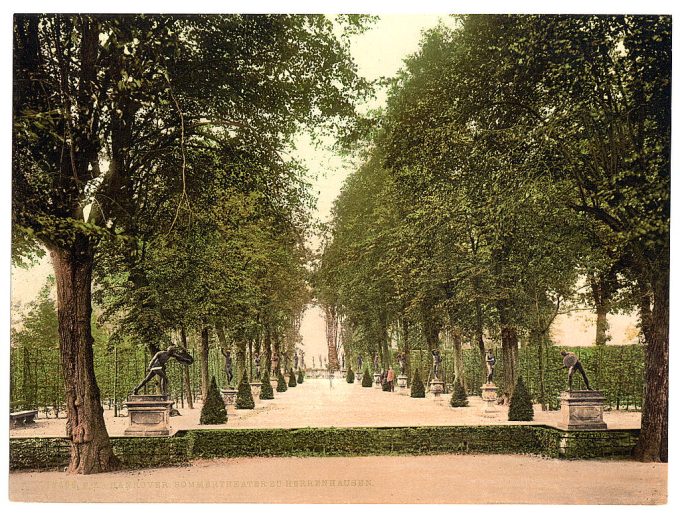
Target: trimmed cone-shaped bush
point(417, 387)
point(281, 385)
point(213, 411)
point(459, 397)
point(301, 377)
point(291, 379)
point(350, 375)
point(521, 408)
point(366, 380)
point(266, 390)
point(244, 398)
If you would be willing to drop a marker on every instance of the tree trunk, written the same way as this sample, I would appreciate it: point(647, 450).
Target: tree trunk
point(407, 350)
point(652, 446)
point(186, 381)
point(509, 347)
point(331, 318)
point(479, 336)
point(91, 450)
point(458, 365)
point(205, 348)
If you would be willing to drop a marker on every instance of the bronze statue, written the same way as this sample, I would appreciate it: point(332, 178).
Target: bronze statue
point(228, 366)
point(571, 362)
point(401, 358)
point(157, 367)
point(436, 361)
point(490, 365)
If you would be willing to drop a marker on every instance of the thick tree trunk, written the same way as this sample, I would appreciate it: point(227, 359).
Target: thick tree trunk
point(331, 317)
point(601, 326)
point(186, 380)
point(652, 445)
point(90, 446)
point(205, 348)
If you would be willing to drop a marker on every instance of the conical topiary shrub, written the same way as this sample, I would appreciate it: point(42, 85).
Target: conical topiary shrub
point(350, 375)
point(281, 385)
point(244, 398)
point(417, 387)
point(266, 390)
point(521, 408)
point(213, 411)
point(301, 377)
point(291, 379)
point(459, 397)
point(366, 380)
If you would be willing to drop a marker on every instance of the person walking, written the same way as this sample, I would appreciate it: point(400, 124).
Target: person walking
point(390, 378)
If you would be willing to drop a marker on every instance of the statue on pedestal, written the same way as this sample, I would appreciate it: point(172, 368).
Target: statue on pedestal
point(401, 358)
point(376, 362)
point(256, 359)
point(228, 366)
point(360, 362)
point(570, 361)
point(302, 359)
point(275, 363)
point(296, 358)
point(490, 365)
point(436, 362)
point(157, 367)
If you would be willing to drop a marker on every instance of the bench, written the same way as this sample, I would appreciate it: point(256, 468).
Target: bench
point(22, 418)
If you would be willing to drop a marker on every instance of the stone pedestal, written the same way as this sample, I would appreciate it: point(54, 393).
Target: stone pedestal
point(229, 396)
point(582, 410)
point(402, 381)
point(376, 380)
point(436, 388)
point(358, 375)
point(256, 388)
point(489, 397)
point(149, 415)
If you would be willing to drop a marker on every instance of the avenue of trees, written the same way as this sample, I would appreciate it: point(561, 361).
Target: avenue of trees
point(150, 160)
point(518, 158)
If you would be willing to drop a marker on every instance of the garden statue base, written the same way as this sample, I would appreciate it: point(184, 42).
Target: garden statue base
point(256, 388)
point(402, 381)
point(582, 410)
point(376, 381)
point(149, 415)
point(436, 388)
point(489, 398)
point(358, 375)
point(229, 396)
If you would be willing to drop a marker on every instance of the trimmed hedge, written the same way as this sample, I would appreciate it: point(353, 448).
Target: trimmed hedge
point(266, 390)
point(417, 387)
point(350, 375)
point(244, 398)
point(366, 380)
point(300, 377)
point(459, 397)
point(291, 379)
point(213, 411)
point(147, 452)
point(281, 385)
point(521, 408)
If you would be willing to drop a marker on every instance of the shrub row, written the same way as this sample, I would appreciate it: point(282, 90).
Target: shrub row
point(148, 452)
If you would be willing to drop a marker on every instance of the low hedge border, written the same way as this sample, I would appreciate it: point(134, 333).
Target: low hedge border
point(185, 445)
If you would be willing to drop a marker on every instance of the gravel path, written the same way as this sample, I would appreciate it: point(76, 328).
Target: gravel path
point(314, 403)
